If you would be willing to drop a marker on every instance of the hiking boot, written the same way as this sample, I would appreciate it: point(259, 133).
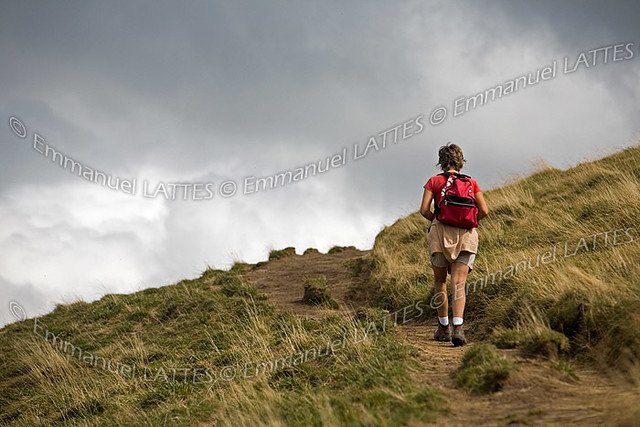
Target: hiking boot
point(457, 338)
point(442, 333)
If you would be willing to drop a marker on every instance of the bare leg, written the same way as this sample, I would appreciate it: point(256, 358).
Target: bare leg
point(459, 273)
point(440, 301)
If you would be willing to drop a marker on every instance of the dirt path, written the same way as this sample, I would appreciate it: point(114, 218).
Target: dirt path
point(535, 393)
point(283, 280)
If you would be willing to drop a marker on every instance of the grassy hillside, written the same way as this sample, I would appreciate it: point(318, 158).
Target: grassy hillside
point(209, 350)
point(559, 252)
point(557, 272)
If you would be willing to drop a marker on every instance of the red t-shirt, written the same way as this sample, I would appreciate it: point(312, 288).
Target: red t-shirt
point(435, 184)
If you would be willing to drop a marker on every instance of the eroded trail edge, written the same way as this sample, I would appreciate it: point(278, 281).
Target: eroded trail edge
point(536, 393)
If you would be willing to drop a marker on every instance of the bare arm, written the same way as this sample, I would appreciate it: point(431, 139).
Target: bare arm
point(425, 207)
point(483, 210)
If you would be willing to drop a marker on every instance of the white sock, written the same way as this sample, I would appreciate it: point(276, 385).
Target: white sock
point(457, 321)
point(444, 321)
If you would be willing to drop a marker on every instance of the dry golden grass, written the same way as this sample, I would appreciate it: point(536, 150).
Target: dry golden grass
point(587, 303)
point(590, 291)
point(213, 323)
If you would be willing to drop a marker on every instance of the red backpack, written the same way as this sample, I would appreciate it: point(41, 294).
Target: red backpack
point(457, 205)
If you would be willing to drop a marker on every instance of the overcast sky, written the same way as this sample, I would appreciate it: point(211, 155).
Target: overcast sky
point(204, 92)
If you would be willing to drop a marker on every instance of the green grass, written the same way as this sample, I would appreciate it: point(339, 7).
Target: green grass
point(281, 253)
point(202, 327)
point(357, 266)
point(316, 292)
point(564, 366)
point(533, 340)
point(483, 370)
point(338, 249)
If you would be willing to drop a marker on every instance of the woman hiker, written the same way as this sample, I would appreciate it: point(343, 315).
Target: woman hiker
point(452, 248)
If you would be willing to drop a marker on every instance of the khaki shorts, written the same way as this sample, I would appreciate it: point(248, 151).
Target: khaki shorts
point(465, 257)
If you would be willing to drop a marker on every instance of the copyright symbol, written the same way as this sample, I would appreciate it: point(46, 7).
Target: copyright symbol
point(438, 115)
point(228, 188)
point(17, 310)
point(228, 373)
point(439, 299)
point(17, 127)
